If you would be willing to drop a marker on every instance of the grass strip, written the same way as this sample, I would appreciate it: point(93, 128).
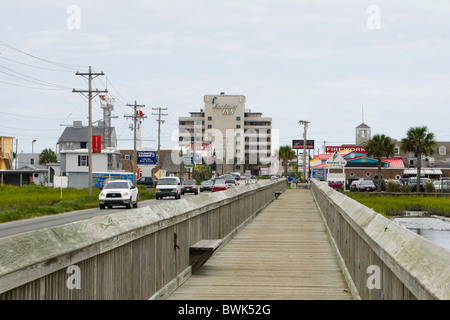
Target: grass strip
point(24, 202)
point(397, 205)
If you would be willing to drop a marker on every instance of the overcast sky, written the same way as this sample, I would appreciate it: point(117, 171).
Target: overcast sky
point(321, 61)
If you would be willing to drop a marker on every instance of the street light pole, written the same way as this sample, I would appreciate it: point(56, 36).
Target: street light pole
point(305, 128)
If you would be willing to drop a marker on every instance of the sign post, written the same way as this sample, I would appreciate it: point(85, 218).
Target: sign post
point(336, 161)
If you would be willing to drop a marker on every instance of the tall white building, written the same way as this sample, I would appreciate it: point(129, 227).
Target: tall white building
point(239, 138)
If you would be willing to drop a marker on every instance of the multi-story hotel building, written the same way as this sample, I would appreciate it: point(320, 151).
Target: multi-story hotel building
point(225, 131)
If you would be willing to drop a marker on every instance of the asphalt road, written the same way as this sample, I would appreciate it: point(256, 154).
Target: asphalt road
point(15, 227)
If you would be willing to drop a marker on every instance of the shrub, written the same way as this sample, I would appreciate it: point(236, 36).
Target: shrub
point(392, 187)
point(429, 187)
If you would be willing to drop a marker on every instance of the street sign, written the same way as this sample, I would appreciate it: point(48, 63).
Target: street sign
point(146, 157)
point(336, 161)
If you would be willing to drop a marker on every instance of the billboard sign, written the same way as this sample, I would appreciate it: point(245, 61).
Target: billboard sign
point(146, 157)
point(332, 149)
point(298, 144)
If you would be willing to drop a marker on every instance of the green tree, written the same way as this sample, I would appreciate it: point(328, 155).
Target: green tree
point(378, 147)
point(285, 153)
point(47, 156)
point(420, 142)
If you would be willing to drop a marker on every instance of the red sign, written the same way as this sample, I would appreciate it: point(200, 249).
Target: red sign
point(330, 149)
point(96, 144)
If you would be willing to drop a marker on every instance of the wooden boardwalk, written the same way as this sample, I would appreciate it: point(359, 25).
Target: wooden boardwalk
point(283, 254)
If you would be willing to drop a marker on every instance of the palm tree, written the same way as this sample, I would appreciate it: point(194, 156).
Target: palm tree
point(378, 147)
point(47, 156)
point(285, 153)
point(421, 143)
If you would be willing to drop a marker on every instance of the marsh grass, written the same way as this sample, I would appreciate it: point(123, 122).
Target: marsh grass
point(397, 205)
point(31, 201)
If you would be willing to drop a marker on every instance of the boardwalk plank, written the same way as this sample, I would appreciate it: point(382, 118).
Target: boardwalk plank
point(284, 253)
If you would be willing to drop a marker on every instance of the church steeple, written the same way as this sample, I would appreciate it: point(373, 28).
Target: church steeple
point(363, 132)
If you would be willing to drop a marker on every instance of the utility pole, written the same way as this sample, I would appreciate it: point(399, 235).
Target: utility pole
point(135, 116)
point(159, 114)
point(305, 128)
point(90, 76)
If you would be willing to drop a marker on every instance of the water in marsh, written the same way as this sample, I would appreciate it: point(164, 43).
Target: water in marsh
point(435, 229)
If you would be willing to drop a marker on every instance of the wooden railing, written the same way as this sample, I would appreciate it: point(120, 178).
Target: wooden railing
point(134, 254)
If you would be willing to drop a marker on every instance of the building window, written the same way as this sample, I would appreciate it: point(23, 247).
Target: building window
point(442, 150)
point(82, 161)
point(209, 118)
point(238, 118)
point(209, 126)
point(31, 161)
point(238, 126)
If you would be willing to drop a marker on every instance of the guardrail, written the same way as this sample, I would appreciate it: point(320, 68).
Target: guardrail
point(134, 254)
point(381, 259)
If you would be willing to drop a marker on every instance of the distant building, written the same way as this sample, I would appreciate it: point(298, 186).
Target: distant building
point(363, 133)
point(230, 136)
point(6, 153)
point(74, 154)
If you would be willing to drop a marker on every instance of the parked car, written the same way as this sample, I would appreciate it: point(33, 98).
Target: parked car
point(366, 185)
point(219, 185)
point(146, 181)
point(335, 184)
point(118, 193)
point(189, 186)
point(206, 185)
point(168, 187)
point(383, 182)
point(442, 185)
point(413, 183)
point(354, 185)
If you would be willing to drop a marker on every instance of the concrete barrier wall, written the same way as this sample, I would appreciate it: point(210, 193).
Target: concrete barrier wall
point(134, 254)
point(383, 259)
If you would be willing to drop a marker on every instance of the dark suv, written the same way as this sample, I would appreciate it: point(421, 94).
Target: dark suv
point(146, 181)
point(383, 183)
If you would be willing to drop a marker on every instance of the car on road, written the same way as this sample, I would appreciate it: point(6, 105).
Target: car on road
point(206, 185)
point(168, 187)
point(219, 185)
point(118, 193)
point(189, 186)
point(366, 185)
point(231, 183)
point(145, 181)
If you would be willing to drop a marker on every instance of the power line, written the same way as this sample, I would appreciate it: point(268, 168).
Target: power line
point(63, 65)
point(30, 65)
point(33, 80)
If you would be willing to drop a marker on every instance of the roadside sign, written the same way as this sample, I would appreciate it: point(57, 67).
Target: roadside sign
point(146, 157)
point(336, 161)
